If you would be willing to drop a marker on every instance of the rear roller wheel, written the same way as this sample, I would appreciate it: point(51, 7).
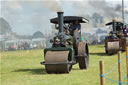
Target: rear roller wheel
point(83, 55)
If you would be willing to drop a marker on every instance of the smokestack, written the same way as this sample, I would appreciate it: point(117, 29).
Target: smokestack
point(60, 21)
point(114, 26)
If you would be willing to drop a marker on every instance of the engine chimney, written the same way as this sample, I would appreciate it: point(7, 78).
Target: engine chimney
point(60, 21)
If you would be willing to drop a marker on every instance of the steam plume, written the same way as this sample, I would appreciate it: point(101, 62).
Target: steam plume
point(52, 5)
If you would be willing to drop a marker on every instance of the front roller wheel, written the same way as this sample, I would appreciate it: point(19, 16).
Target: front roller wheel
point(83, 55)
point(56, 62)
point(113, 47)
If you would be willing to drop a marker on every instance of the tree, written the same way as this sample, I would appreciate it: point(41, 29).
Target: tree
point(4, 26)
point(38, 34)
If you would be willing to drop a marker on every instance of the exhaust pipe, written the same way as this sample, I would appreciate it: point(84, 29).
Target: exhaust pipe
point(60, 21)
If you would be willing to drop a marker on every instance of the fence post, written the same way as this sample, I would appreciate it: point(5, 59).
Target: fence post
point(119, 67)
point(127, 61)
point(102, 80)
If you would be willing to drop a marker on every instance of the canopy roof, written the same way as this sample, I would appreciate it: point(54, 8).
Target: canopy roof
point(70, 19)
point(110, 23)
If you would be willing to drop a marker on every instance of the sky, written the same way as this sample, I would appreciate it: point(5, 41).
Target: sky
point(29, 16)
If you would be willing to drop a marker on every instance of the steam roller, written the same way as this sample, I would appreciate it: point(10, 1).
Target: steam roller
point(117, 38)
point(67, 48)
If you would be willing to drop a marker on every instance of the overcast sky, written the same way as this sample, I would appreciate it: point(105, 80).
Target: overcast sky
point(29, 16)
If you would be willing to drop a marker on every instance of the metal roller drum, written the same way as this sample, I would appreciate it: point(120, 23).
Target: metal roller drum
point(113, 47)
point(57, 62)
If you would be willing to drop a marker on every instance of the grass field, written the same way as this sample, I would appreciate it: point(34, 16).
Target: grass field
point(24, 68)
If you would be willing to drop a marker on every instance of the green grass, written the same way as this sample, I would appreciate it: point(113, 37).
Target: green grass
point(24, 68)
